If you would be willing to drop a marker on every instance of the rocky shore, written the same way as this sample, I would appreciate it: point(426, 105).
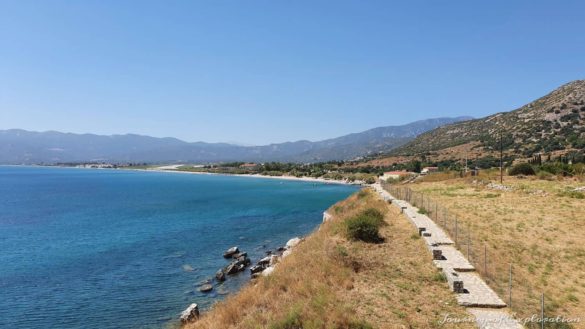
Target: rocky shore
point(239, 261)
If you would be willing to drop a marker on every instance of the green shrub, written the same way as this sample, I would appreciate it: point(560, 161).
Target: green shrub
point(545, 175)
point(572, 194)
point(365, 226)
point(374, 213)
point(440, 277)
point(522, 169)
point(362, 194)
point(370, 180)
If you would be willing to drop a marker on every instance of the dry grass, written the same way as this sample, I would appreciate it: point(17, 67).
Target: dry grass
point(330, 282)
point(537, 227)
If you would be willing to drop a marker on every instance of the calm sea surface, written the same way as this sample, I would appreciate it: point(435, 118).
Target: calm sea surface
point(123, 249)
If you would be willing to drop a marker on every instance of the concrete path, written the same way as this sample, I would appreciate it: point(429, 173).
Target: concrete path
point(494, 319)
point(453, 258)
point(488, 308)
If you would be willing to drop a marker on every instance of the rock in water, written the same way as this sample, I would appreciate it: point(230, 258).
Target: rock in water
point(256, 269)
point(188, 268)
point(220, 275)
point(264, 261)
point(206, 288)
point(240, 254)
point(232, 268)
point(190, 314)
point(230, 252)
point(243, 260)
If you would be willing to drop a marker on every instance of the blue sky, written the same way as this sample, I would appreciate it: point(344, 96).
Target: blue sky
point(255, 72)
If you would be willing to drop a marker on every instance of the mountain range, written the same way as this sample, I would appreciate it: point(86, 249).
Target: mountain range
point(19, 146)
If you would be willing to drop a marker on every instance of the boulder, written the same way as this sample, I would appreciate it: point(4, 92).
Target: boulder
point(230, 252)
point(286, 253)
point(206, 288)
point(243, 260)
point(264, 261)
point(256, 269)
point(232, 268)
point(273, 260)
point(190, 314)
point(220, 275)
point(293, 243)
point(239, 254)
point(237, 266)
point(268, 271)
point(281, 249)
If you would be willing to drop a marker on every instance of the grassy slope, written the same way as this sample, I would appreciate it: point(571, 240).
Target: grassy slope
point(329, 282)
point(537, 227)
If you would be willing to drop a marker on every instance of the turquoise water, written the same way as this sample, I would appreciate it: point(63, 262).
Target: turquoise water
point(125, 249)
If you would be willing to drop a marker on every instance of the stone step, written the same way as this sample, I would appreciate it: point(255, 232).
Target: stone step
point(452, 258)
point(478, 293)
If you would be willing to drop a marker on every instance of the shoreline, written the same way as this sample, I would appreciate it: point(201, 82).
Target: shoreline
point(287, 178)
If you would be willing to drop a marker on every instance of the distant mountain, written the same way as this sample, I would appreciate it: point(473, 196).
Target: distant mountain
point(551, 123)
point(26, 147)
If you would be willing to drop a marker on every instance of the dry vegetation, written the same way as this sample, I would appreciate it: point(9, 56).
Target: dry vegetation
point(537, 227)
point(331, 282)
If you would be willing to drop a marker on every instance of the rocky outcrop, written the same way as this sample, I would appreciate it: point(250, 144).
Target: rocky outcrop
point(230, 252)
point(220, 275)
point(190, 314)
point(266, 265)
point(237, 265)
point(239, 254)
point(292, 243)
point(206, 288)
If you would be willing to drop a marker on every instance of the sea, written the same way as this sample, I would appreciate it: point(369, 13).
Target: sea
point(99, 248)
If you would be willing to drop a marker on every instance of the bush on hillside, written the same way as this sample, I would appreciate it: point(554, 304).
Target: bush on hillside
point(365, 226)
point(522, 169)
point(374, 213)
point(370, 180)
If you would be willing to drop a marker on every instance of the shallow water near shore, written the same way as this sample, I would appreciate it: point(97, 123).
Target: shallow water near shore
point(87, 248)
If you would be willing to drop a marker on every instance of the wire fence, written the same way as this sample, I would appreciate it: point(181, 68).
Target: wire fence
point(500, 274)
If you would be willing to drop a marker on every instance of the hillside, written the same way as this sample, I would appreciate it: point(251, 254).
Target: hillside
point(551, 123)
point(26, 147)
point(329, 281)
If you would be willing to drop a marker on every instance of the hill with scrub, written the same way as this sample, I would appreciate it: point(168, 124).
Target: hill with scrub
point(554, 123)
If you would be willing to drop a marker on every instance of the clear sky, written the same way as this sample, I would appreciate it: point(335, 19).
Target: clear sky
point(255, 72)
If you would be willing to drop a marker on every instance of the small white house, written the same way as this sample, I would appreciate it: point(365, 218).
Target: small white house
point(428, 170)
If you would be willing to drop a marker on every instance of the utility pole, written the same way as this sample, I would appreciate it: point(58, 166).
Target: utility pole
point(501, 159)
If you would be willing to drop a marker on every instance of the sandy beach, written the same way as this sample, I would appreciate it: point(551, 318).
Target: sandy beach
point(173, 169)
